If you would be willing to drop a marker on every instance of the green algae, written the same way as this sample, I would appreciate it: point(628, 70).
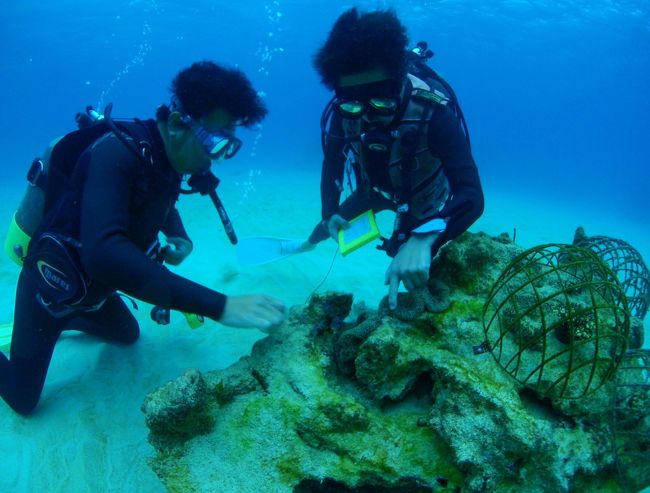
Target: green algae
point(468, 309)
point(381, 450)
point(417, 405)
point(193, 422)
point(170, 466)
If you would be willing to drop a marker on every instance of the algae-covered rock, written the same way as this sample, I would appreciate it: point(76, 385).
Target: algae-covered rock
point(472, 262)
point(499, 435)
point(237, 379)
point(384, 402)
point(178, 411)
point(392, 360)
point(328, 310)
point(346, 344)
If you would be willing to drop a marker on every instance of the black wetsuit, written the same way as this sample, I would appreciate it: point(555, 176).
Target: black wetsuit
point(446, 141)
point(121, 205)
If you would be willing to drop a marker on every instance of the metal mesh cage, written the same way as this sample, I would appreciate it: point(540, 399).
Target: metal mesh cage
point(631, 425)
point(628, 265)
point(556, 320)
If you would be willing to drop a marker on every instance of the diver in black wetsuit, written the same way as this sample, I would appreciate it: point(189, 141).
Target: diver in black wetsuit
point(395, 134)
point(108, 215)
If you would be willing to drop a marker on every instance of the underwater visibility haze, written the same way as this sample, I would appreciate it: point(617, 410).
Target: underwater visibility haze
point(555, 94)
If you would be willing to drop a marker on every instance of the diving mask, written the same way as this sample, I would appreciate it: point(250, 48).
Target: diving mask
point(218, 144)
point(355, 109)
point(380, 98)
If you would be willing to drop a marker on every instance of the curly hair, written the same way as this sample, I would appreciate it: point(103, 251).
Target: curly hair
point(360, 42)
point(205, 86)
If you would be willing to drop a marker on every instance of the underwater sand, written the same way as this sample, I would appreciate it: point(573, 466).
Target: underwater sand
point(88, 433)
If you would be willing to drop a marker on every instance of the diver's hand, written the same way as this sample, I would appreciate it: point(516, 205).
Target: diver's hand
point(254, 311)
point(410, 266)
point(335, 223)
point(177, 249)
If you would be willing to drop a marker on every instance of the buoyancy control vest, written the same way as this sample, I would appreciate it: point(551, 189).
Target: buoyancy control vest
point(67, 170)
point(410, 176)
point(52, 256)
point(416, 178)
point(50, 175)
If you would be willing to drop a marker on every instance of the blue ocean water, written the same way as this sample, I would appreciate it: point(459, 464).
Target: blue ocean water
point(555, 93)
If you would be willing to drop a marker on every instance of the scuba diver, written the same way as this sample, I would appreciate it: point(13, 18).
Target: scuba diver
point(395, 137)
point(100, 197)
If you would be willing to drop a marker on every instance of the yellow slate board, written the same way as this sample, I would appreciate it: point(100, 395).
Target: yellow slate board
point(363, 229)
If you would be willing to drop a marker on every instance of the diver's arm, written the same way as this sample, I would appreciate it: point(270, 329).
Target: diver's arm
point(330, 182)
point(332, 170)
point(110, 257)
point(465, 204)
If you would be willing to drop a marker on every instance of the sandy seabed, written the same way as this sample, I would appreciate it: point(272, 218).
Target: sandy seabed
point(88, 433)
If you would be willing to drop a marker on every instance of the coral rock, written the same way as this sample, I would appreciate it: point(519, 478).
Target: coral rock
point(177, 411)
point(376, 403)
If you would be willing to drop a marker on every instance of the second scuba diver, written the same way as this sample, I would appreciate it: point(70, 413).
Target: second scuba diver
point(395, 131)
point(110, 189)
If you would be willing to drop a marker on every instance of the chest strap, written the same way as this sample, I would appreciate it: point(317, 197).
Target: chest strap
point(409, 142)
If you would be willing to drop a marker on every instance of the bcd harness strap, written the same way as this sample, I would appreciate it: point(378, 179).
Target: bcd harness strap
point(53, 262)
point(410, 140)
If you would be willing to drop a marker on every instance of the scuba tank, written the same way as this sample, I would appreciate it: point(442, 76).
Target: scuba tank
point(29, 214)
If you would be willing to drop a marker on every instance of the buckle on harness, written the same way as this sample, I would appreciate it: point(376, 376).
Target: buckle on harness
point(146, 151)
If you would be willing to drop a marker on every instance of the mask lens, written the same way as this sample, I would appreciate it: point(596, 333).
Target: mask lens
point(384, 106)
point(232, 148)
point(218, 146)
point(351, 109)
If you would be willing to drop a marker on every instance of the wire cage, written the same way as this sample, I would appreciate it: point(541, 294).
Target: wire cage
point(556, 320)
point(628, 265)
point(631, 420)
